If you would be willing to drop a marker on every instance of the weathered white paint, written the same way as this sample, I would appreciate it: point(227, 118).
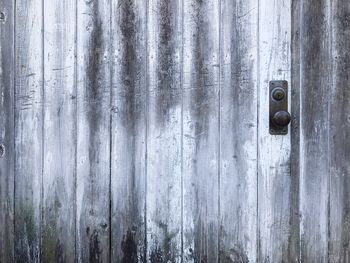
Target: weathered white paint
point(128, 130)
point(59, 129)
point(93, 131)
point(339, 134)
point(7, 99)
point(201, 58)
point(28, 127)
point(238, 129)
point(164, 131)
point(315, 83)
point(274, 179)
point(141, 131)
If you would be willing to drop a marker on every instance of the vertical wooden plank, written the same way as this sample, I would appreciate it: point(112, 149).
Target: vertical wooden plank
point(28, 127)
point(93, 120)
point(164, 131)
point(238, 125)
point(274, 177)
point(201, 130)
point(339, 203)
point(314, 152)
point(6, 130)
point(128, 130)
point(294, 216)
point(59, 141)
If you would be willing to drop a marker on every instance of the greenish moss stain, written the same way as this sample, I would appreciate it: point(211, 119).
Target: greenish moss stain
point(49, 241)
point(168, 251)
point(233, 255)
point(27, 235)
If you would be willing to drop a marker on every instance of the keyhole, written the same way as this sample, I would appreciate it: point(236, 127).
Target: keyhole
point(278, 94)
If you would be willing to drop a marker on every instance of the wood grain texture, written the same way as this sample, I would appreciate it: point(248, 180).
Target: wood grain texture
point(93, 139)
point(28, 130)
point(314, 142)
point(59, 138)
point(164, 131)
point(201, 61)
point(295, 90)
point(238, 126)
point(137, 131)
point(274, 180)
point(339, 135)
point(128, 128)
point(6, 131)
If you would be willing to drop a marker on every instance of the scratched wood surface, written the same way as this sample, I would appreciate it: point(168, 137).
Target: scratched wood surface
point(238, 129)
point(58, 200)
point(128, 131)
point(164, 112)
point(28, 130)
point(137, 131)
point(201, 130)
point(93, 131)
point(315, 75)
point(339, 135)
point(6, 131)
point(274, 177)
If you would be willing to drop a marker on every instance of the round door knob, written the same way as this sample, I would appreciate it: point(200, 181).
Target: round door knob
point(281, 118)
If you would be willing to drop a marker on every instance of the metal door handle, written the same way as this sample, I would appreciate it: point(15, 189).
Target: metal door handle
point(279, 115)
point(281, 118)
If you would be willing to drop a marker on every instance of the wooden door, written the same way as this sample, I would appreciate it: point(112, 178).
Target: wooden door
point(138, 131)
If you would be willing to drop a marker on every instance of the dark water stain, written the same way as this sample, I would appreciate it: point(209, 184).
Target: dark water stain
point(156, 255)
point(203, 98)
point(314, 97)
point(95, 250)
point(345, 222)
point(315, 70)
point(53, 250)
point(2, 150)
point(95, 85)
point(59, 253)
point(168, 88)
point(129, 247)
point(166, 250)
point(131, 67)
point(234, 255)
point(26, 235)
point(134, 102)
point(203, 87)
point(205, 242)
point(339, 126)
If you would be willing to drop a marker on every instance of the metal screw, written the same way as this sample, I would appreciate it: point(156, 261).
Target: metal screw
point(2, 16)
point(2, 150)
point(278, 94)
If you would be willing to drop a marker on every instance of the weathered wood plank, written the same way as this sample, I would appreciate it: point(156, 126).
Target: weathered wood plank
point(339, 135)
point(238, 126)
point(294, 216)
point(201, 130)
point(28, 129)
point(6, 130)
point(314, 151)
point(164, 131)
point(59, 138)
point(128, 131)
point(274, 180)
point(93, 120)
